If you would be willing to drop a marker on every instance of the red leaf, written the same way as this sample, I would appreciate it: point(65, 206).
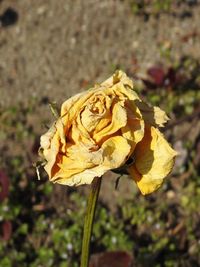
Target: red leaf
point(4, 185)
point(111, 259)
point(157, 74)
point(6, 230)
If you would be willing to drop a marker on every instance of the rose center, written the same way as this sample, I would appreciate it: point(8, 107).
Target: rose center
point(94, 111)
point(97, 105)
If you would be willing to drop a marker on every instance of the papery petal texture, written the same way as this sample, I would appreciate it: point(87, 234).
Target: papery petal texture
point(100, 129)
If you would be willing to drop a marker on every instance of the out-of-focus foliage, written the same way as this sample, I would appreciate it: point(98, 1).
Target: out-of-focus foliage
point(41, 224)
point(155, 7)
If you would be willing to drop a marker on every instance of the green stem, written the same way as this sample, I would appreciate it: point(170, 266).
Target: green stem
point(89, 218)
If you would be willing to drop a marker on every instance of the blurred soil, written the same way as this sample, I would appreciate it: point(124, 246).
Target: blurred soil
point(54, 49)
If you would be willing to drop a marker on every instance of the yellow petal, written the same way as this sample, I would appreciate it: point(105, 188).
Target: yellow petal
point(115, 152)
point(72, 107)
point(154, 159)
point(84, 177)
point(152, 115)
point(67, 168)
point(52, 143)
point(119, 120)
point(134, 129)
point(51, 153)
point(121, 85)
point(133, 132)
point(105, 121)
point(45, 139)
point(78, 172)
point(77, 160)
point(78, 134)
point(118, 76)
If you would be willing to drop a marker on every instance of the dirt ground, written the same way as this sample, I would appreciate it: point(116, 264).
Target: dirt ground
point(50, 50)
point(56, 48)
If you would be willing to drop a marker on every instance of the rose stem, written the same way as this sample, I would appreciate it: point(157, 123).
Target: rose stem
point(89, 218)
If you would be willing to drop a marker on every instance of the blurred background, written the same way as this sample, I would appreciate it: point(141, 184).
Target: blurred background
point(50, 50)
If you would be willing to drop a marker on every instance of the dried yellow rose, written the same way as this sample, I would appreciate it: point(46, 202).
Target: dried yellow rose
point(100, 129)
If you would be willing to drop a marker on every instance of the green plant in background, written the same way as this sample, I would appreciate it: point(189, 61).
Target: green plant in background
point(155, 7)
point(162, 230)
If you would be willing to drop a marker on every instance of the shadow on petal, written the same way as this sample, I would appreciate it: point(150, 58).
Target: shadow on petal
point(154, 159)
point(151, 115)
